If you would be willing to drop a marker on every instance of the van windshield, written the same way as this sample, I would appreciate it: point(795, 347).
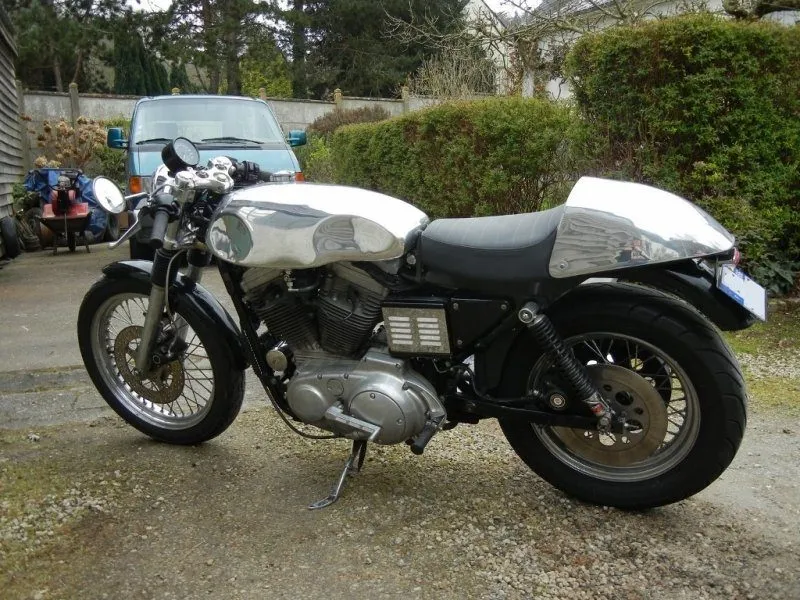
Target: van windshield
point(204, 119)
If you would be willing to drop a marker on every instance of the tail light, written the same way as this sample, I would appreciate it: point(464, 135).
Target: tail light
point(298, 176)
point(737, 256)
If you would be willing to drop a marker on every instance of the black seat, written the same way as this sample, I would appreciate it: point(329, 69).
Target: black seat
point(510, 248)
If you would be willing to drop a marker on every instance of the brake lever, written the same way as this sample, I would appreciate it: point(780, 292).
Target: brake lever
point(137, 225)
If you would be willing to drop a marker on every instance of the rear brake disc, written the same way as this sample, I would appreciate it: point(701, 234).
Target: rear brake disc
point(644, 411)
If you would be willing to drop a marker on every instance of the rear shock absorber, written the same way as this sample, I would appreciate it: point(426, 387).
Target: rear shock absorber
point(564, 360)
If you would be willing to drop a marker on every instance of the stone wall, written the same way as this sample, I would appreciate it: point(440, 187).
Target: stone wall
point(291, 113)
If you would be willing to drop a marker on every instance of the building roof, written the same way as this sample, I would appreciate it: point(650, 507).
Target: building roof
point(565, 7)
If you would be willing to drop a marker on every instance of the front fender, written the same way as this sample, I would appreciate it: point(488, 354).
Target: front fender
point(186, 290)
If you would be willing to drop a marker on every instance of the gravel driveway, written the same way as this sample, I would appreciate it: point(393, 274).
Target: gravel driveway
point(98, 511)
point(95, 510)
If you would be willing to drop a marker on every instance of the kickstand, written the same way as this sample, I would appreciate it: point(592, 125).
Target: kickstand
point(351, 467)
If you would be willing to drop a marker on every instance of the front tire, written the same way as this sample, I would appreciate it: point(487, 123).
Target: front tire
point(685, 365)
point(189, 399)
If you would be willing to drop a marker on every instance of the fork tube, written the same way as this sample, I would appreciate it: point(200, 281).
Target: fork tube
point(155, 307)
point(196, 260)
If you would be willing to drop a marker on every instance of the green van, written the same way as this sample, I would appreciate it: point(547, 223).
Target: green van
point(244, 128)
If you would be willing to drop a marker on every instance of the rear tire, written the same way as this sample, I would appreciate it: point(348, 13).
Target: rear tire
point(714, 418)
point(168, 415)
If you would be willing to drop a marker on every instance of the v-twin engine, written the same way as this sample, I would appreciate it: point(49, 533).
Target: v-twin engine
point(380, 398)
point(340, 377)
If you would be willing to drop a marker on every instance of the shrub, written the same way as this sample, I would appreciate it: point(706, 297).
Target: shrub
point(83, 146)
point(316, 160)
point(315, 156)
point(709, 109)
point(331, 121)
point(499, 155)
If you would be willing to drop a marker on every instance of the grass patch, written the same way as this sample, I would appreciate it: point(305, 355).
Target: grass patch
point(780, 393)
point(781, 331)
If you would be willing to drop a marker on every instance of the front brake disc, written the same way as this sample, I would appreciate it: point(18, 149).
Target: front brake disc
point(161, 385)
point(644, 411)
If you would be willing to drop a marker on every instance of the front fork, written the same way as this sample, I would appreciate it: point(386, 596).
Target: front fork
point(161, 277)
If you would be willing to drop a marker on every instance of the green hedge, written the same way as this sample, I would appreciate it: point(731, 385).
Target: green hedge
point(495, 156)
point(315, 156)
point(709, 109)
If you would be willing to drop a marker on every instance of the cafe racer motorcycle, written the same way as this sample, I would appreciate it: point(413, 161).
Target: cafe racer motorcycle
point(367, 321)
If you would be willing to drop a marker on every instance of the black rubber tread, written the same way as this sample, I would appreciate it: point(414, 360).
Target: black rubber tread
point(688, 338)
point(228, 379)
point(31, 217)
point(28, 239)
point(111, 233)
point(8, 231)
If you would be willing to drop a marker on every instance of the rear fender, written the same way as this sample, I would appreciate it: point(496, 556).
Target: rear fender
point(186, 290)
point(690, 282)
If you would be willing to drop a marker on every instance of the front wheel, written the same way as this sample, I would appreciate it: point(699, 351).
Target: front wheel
point(661, 363)
point(192, 393)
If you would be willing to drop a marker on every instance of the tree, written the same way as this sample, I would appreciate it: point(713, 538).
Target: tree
point(179, 78)
point(457, 72)
point(344, 43)
point(58, 38)
point(214, 35)
point(138, 69)
point(755, 9)
point(263, 65)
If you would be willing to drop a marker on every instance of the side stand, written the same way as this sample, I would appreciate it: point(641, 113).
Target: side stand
point(351, 467)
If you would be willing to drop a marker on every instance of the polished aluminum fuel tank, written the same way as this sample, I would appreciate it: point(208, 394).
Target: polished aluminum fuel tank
point(303, 225)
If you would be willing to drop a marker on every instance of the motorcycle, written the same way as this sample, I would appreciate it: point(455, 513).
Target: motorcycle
point(367, 321)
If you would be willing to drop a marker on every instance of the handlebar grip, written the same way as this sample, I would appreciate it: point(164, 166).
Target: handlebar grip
point(160, 222)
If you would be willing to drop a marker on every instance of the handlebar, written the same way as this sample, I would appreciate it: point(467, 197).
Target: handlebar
point(163, 212)
point(160, 223)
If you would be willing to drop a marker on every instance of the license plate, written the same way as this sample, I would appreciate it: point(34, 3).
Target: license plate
point(744, 291)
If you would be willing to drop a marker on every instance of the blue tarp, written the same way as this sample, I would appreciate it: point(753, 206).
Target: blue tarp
point(42, 181)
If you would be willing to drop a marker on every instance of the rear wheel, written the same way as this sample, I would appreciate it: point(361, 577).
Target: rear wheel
point(663, 365)
point(192, 393)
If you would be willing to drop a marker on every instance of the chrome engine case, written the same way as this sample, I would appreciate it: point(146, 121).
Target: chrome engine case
point(335, 394)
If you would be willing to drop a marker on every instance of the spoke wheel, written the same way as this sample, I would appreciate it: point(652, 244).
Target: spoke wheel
point(175, 395)
point(194, 387)
point(657, 361)
point(640, 382)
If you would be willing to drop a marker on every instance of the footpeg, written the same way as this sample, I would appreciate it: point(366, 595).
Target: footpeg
point(421, 440)
point(351, 467)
